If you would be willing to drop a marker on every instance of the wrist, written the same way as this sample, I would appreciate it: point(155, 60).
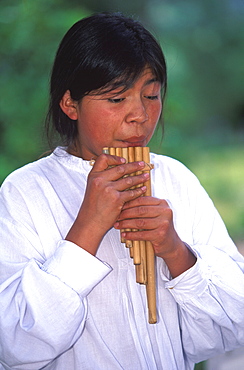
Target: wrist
point(85, 236)
point(180, 260)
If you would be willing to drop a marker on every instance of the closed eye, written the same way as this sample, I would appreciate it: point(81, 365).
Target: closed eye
point(151, 97)
point(115, 100)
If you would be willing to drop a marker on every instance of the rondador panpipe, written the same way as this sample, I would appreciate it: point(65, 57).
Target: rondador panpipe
point(141, 251)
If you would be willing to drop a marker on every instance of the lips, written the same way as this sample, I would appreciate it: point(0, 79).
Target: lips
point(134, 141)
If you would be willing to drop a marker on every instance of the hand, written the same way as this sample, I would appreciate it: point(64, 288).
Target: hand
point(104, 199)
point(154, 220)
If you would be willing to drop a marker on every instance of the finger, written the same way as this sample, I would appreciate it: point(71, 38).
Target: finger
point(139, 235)
point(128, 169)
point(146, 201)
point(104, 161)
point(138, 223)
point(140, 212)
point(131, 194)
point(129, 182)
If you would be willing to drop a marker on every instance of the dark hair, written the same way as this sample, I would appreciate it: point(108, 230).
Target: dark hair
point(100, 52)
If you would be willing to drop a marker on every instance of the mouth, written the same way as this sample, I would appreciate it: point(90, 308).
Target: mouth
point(134, 141)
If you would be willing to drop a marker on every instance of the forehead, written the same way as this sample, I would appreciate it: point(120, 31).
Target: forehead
point(121, 84)
point(147, 76)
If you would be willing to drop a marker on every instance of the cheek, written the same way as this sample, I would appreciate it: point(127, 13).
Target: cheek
point(158, 108)
point(100, 125)
point(155, 111)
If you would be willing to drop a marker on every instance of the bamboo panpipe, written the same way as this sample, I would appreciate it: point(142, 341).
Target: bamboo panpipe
point(141, 251)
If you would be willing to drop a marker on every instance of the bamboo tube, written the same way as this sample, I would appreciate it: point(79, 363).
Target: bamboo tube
point(112, 151)
point(118, 152)
point(150, 259)
point(106, 150)
point(128, 243)
point(141, 268)
point(135, 243)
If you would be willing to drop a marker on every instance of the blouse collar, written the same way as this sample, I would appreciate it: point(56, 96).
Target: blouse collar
point(71, 161)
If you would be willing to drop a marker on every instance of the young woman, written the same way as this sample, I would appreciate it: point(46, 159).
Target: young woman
point(68, 295)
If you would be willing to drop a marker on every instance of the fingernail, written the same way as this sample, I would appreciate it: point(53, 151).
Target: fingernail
point(142, 164)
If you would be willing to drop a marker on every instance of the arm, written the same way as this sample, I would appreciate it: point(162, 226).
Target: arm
point(211, 294)
point(42, 302)
point(210, 291)
point(44, 283)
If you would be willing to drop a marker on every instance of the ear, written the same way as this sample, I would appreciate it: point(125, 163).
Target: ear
point(69, 106)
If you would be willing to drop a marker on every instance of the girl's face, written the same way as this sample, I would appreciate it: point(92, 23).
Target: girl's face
point(116, 119)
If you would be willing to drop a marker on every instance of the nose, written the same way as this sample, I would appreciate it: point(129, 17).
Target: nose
point(137, 112)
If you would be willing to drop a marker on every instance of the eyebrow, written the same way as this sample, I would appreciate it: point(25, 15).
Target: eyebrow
point(154, 79)
point(148, 82)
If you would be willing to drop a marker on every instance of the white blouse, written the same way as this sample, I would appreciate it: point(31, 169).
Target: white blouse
point(64, 309)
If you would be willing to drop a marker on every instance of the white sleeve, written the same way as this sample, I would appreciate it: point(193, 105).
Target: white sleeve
point(210, 295)
point(42, 301)
point(76, 267)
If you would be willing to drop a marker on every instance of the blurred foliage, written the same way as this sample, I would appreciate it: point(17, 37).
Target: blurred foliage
point(204, 110)
point(30, 32)
point(204, 48)
point(223, 177)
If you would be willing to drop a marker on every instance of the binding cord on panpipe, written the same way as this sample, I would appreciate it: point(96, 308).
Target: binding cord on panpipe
point(141, 251)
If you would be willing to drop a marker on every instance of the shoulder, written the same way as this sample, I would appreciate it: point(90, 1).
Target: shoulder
point(24, 176)
point(31, 180)
point(40, 172)
point(46, 176)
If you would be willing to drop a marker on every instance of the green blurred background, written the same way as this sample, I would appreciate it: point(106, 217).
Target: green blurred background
point(204, 111)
